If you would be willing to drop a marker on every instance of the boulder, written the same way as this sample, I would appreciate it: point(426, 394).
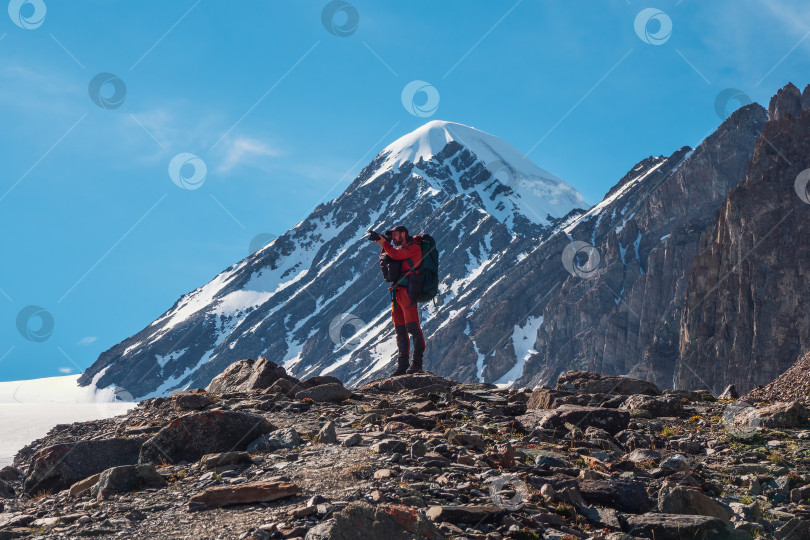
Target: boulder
point(463, 438)
point(675, 527)
point(595, 383)
point(362, 521)
point(277, 440)
point(546, 398)
point(6, 490)
point(623, 495)
point(190, 400)
point(415, 381)
point(673, 499)
point(223, 459)
point(657, 406)
point(318, 380)
point(390, 446)
point(11, 474)
point(730, 393)
point(82, 487)
point(777, 416)
point(246, 375)
point(59, 466)
point(672, 464)
point(795, 529)
point(253, 492)
point(546, 459)
point(329, 392)
point(611, 420)
point(327, 434)
point(414, 420)
point(631, 440)
point(126, 478)
point(640, 455)
point(193, 435)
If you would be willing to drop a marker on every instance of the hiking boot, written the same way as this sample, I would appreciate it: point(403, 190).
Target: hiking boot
point(401, 370)
point(415, 367)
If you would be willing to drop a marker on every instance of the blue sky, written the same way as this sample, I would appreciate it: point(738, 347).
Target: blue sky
point(284, 113)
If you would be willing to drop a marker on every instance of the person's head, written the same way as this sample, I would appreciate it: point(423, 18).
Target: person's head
point(399, 235)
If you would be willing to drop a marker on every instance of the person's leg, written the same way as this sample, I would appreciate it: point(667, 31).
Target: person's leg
point(411, 318)
point(403, 345)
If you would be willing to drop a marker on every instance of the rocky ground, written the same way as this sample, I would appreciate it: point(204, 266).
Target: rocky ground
point(262, 455)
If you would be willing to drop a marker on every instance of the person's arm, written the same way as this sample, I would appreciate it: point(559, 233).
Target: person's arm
point(405, 252)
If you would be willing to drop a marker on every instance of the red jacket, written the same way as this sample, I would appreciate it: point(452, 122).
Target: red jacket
point(407, 251)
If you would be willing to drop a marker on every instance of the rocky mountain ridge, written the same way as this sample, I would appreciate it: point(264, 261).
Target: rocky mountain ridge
point(746, 318)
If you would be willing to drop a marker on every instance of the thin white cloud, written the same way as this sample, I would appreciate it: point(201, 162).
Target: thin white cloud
point(85, 341)
point(244, 151)
point(66, 370)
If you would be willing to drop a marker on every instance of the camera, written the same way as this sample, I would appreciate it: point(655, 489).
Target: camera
point(373, 236)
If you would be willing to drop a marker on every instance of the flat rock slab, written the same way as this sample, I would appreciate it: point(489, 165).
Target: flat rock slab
point(463, 514)
point(190, 400)
point(409, 382)
point(253, 492)
point(611, 420)
point(595, 383)
point(675, 527)
point(194, 435)
point(59, 466)
point(212, 461)
point(330, 392)
point(362, 521)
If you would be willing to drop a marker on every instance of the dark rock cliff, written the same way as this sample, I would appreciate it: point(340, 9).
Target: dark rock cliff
point(747, 314)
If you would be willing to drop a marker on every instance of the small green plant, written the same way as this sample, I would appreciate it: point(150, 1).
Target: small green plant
point(527, 534)
point(565, 510)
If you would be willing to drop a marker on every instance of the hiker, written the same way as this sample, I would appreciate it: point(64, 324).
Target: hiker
point(404, 310)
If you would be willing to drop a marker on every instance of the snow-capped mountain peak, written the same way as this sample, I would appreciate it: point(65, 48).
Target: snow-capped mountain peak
point(532, 191)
